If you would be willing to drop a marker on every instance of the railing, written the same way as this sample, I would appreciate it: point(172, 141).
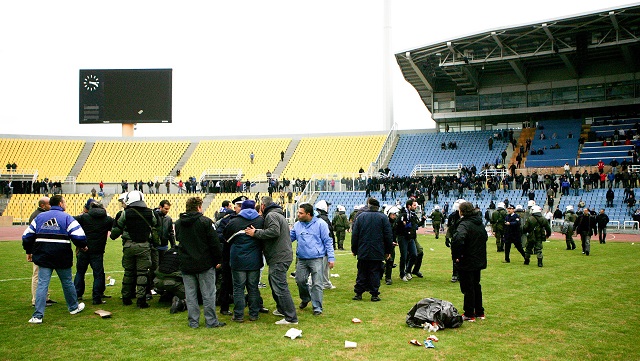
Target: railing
point(385, 151)
point(424, 169)
point(632, 224)
point(494, 172)
point(221, 174)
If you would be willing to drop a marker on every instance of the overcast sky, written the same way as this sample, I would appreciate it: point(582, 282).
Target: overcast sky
point(248, 67)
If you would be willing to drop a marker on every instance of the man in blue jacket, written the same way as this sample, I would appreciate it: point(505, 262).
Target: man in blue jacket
point(47, 242)
point(314, 243)
point(372, 242)
point(245, 259)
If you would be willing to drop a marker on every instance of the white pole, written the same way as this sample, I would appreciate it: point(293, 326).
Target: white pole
point(387, 57)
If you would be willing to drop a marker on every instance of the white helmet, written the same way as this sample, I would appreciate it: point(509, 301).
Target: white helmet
point(122, 197)
point(436, 207)
point(341, 208)
point(133, 196)
point(322, 205)
point(500, 205)
point(519, 207)
point(393, 209)
point(531, 203)
point(569, 207)
point(356, 207)
point(536, 209)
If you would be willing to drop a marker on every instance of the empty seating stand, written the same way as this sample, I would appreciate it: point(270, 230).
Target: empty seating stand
point(568, 151)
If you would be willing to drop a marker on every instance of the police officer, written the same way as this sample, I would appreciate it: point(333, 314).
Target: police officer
point(568, 226)
point(436, 219)
point(512, 233)
point(392, 213)
point(452, 225)
point(539, 230)
point(168, 281)
point(134, 225)
point(497, 225)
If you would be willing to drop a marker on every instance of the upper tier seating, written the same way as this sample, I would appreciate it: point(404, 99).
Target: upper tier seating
point(424, 148)
point(568, 151)
point(234, 154)
point(113, 161)
point(333, 155)
point(51, 158)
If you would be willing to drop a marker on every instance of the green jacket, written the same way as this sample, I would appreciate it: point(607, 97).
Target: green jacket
point(436, 216)
point(498, 219)
point(538, 227)
point(340, 222)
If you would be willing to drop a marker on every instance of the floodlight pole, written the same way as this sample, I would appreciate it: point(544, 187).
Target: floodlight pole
point(387, 85)
point(127, 130)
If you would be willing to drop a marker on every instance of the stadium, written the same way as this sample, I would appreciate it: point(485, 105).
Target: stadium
point(544, 111)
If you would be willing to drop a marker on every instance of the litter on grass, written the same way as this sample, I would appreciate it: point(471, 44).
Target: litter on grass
point(428, 344)
point(415, 342)
point(293, 333)
point(350, 344)
point(356, 320)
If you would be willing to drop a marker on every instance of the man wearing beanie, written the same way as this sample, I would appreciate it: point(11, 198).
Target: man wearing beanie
point(372, 243)
point(245, 259)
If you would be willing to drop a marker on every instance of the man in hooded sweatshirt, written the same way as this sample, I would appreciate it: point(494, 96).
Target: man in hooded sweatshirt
point(200, 255)
point(96, 224)
point(245, 259)
point(469, 252)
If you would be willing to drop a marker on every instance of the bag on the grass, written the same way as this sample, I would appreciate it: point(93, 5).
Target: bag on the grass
point(430, 310)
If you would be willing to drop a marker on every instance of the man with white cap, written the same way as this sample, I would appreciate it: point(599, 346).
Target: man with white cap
point(512, 233)
point(569, 220)
point(539, 230)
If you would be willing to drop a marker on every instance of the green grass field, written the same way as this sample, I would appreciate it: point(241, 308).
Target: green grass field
point(575, 308)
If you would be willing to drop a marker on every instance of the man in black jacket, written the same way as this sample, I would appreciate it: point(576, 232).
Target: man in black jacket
point(96, 224)
point(372, 243)
point(167, 236)
point(585, 225)
point(469, 252)
point(200, 255)
point(602, 219)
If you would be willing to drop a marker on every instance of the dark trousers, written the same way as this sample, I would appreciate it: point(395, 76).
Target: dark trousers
point(472, 291)
point(507, 247)
point(84, 260)
point(388, 264)
point(408, 253)
point(368, 279)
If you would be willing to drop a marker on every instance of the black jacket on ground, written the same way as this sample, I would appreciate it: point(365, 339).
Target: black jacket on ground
point(469, 244)
point(199, 248)
point(372, 237)
point(96, 225)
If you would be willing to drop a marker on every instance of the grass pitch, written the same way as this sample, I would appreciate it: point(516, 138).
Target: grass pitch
point(574, 308)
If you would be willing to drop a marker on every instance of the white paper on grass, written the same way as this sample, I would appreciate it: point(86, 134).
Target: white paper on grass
point(293, 333)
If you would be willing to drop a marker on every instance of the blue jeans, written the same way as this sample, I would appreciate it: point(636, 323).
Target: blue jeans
point(44, 277)
point(206, 282)
point(97, 265)
point(280, 290)
point(408, 255)
point(248, 279)
point(313, 293)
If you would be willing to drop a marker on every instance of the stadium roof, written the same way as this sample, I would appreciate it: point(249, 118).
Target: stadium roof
point(587, 45)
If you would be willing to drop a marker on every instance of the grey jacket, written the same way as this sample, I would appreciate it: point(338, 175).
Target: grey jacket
point(275, 236)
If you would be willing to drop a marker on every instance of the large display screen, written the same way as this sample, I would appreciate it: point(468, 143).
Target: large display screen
point(125, 96)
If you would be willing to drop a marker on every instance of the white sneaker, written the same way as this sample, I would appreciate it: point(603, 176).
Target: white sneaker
point(285, 322)
point(405, 279)
point(408, 275)
point(79, 309)
point(277, 313)
point(35, 320)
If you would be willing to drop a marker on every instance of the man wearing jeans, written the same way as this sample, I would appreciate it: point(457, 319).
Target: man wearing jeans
point(200, 255)
point(47, 242)
point(314, 243)
point(279, 254)
point(245, 259)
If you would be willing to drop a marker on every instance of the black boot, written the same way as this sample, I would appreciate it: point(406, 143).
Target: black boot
point(539, 262)
point(142, 303)
point(526, 261)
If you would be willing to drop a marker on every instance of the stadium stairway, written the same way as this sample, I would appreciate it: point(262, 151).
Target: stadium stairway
point(206, 202)
point(287, 156)
point(184, 159)
point(82, 159)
